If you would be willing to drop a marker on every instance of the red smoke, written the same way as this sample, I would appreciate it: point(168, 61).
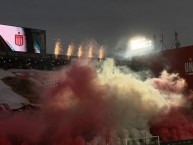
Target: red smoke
point(60, 122)
point(78, 111)
point(173, 126)
point(177, 123)
point(169, 83)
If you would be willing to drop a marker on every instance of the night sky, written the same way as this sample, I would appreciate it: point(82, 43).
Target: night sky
point(109, 22)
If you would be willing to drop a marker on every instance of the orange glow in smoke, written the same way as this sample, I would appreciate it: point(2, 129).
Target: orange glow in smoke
point(90, 51)
point(57, 48)
point(101, 53)
point(80, 51)
point(70, 50)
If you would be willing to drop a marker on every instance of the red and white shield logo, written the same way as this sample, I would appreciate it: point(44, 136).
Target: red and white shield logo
point(19, 39)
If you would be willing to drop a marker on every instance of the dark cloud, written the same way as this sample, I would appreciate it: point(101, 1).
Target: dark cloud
point(110, 22)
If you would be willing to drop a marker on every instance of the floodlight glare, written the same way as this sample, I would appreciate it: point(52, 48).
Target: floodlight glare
point(139, 43)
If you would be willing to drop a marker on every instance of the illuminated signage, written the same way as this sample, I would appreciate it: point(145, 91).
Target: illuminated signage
point(188, 66)
point(20, 39)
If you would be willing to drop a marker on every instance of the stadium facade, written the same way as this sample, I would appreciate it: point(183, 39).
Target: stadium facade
point(178, 60)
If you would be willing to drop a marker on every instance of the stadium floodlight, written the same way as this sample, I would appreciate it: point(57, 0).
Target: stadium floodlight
point(139, 43)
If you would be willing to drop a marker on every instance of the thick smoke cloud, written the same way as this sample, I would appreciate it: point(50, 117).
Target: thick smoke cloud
point(95, 106)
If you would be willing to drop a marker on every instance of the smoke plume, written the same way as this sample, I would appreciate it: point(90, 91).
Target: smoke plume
point(97, 106)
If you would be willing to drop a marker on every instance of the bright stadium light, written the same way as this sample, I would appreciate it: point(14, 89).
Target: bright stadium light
point(139, 43)
point(138, 46)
